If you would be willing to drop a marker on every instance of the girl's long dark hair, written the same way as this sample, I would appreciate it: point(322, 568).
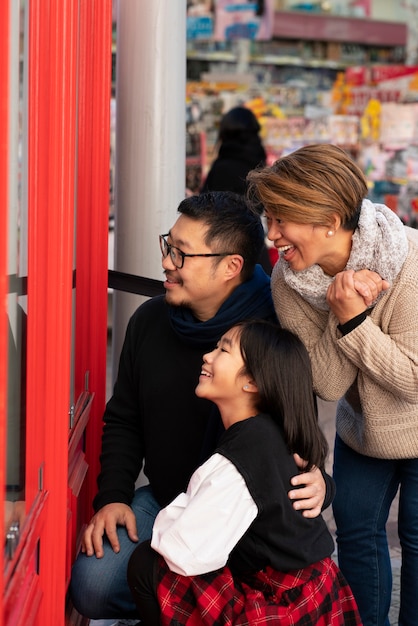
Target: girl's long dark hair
point(279, 364)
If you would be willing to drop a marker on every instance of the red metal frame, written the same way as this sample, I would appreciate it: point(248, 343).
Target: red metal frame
point(4, 184)
point(51, 197)
point(93, 219)
point(68, 199)
point(68, 150)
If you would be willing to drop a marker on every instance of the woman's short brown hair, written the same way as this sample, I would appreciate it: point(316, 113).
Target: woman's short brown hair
point(309, 185)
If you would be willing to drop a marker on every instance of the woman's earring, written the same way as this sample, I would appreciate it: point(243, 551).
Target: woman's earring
point(245, 387)
point(330, 233)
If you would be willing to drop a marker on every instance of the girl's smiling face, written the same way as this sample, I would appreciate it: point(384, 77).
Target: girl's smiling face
point(225, 381)
point(222, 375)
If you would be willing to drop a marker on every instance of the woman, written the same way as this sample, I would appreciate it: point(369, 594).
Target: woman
point(347, 285)
point(233, 550)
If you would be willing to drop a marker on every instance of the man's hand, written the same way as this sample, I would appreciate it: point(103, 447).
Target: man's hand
point(309, 498)
point(105, 521)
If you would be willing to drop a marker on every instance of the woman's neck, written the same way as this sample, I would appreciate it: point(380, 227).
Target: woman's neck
point(337, 257)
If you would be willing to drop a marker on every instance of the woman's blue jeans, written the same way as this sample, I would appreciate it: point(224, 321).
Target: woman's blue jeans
point(99, 587)
point(366, 488)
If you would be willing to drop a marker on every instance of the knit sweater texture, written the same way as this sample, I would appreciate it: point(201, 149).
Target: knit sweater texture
point(372, 370)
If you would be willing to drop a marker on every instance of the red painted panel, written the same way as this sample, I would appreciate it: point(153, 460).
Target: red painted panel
point(4, 180)
point(93, 219)
point(51, 198)
point(22, 570)
point(68, 150)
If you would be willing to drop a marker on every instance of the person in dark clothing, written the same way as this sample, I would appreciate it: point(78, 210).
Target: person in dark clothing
point(154, 420)
point(218, 550)
point(240, 151)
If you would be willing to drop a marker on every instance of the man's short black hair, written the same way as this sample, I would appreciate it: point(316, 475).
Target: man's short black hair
point(232, 225)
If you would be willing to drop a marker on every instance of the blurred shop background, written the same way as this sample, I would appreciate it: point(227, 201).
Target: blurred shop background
point(334, 71)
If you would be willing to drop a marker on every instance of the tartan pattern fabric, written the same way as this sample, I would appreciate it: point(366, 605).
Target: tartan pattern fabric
point(317, 595)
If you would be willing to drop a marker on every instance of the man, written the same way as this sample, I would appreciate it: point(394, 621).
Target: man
point(154, 418)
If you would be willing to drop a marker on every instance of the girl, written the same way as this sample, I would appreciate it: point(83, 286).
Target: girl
point(232, 550)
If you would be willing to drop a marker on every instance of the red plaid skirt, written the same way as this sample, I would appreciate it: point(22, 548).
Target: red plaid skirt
point(317, 595)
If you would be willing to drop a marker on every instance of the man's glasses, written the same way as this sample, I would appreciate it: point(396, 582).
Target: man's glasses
point(177, 256)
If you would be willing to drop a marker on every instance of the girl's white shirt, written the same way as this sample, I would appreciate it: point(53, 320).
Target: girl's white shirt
point(196, 532)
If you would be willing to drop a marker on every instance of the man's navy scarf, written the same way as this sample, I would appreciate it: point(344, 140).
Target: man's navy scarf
point(250, 300)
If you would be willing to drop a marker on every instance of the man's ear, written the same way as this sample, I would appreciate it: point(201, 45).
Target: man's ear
point(234, 265)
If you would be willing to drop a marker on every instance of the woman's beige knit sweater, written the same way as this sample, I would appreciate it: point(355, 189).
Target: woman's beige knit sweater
point(373, 370)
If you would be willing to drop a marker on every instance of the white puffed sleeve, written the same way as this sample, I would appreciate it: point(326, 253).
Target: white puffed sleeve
point(198, 530)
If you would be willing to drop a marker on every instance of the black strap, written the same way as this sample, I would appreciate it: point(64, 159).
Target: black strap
point(135, 284)
point(116, 280)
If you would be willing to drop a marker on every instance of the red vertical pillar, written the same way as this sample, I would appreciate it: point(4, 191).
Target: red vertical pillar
point(51, 198)
point(4, 184)
point(93, 218)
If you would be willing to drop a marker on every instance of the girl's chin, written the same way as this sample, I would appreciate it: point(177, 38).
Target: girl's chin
point(199, 391)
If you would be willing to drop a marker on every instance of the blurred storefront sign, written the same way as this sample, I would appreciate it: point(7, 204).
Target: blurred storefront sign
point(221, 20)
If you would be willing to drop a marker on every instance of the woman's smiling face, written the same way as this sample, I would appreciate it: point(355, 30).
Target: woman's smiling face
point(300, 245)
point(304, 245)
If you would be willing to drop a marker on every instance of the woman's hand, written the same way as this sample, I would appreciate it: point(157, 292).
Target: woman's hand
point(352, 292)
point(369, 285)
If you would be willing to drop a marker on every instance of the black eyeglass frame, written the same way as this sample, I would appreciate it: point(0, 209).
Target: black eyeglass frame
point(166, 249)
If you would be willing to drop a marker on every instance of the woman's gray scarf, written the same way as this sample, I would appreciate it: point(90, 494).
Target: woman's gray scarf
point(379, 244)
